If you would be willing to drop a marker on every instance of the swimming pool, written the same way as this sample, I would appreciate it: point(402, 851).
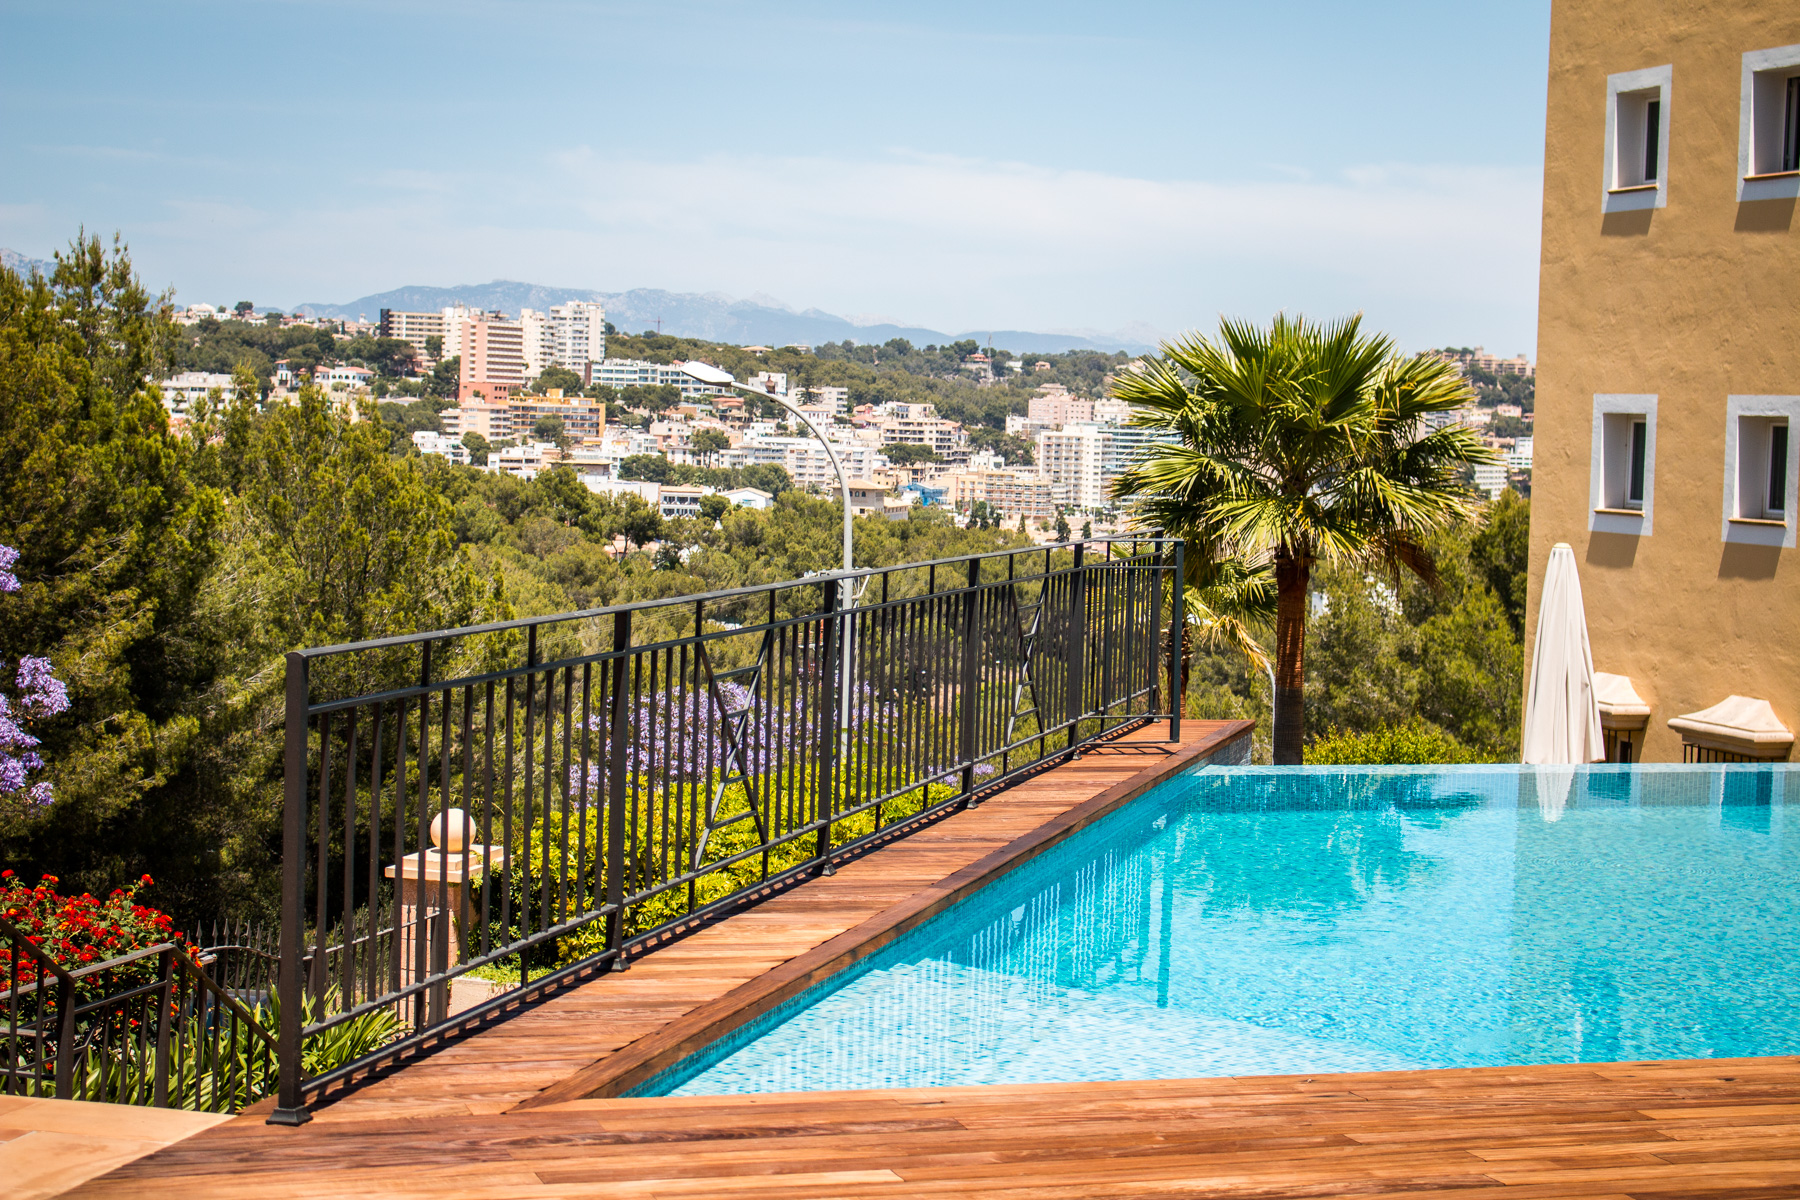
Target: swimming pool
point(1265, 920)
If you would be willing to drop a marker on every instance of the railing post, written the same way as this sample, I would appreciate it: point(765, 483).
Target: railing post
point(1177, 631)
point(1075, 652)
point(290, 1106)
point(827, 770)
point(970, 684)
point(65, 1039)
point(617, 743)
point(164, 1019)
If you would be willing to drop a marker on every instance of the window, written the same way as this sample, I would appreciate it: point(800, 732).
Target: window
point(1637, 139)
point(1636, 155)
point(1760, 469)
point(1769, 125)
point(1626, 438)
point(1623, 467)
point(1634, 487)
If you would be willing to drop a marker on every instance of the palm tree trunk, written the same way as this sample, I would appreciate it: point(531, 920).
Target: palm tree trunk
point(1292, 574)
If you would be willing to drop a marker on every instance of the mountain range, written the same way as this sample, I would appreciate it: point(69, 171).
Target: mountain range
point(718, 318)
point(12, 260)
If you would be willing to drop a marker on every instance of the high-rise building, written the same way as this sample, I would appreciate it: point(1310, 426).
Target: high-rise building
point(1085, 458)
point(415, 328)
point(1668, 372)
point(571, 335)
point(492, 349)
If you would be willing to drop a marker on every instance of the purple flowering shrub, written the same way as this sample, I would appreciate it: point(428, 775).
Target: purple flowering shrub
point(37, 694)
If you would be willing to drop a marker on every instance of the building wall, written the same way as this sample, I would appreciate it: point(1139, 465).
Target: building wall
point(1691, 302)
point(413, 328)
point(493, 358)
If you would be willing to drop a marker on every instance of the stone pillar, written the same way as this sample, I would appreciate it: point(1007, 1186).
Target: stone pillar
point(434, 887)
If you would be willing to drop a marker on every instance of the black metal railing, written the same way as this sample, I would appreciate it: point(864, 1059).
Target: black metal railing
point(150, 1027)
point(526, 801)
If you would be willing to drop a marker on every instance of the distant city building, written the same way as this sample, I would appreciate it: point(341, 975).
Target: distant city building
point(1112, 412)
point(340, 378)
point(749, 497)
point(442, 444)
point(1085, 458)
point(834, 400)
point(919, 425)
point(416, 329)
point(571, 335)
point(866, 497)
point(492, 349)
point(1010, 493)
point(1054, 406)
point(181, 391)
point(627, 372)
point(583, 419)
point(1479, 359)
point(1491, 477)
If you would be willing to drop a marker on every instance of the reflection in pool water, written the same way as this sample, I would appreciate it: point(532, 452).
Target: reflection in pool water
point(1261, 920)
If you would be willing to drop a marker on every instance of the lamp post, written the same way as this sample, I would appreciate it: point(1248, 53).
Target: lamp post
point(706, 373)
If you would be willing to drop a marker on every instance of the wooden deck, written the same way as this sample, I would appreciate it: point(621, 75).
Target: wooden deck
point(1709, 1130)
point(521, 1107)
point(49, 1146)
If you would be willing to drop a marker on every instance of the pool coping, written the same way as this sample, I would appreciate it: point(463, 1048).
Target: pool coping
point(691, 1032)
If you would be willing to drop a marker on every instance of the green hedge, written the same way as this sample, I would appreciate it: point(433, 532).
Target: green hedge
point(1416, 741)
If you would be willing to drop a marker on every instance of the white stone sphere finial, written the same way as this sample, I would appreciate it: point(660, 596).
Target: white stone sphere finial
point(451, 831)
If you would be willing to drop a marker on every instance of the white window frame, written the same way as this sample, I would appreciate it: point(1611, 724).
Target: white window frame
point(1757, 531)
point(1606, 513)
point(1622, 195)
point(1759, 124)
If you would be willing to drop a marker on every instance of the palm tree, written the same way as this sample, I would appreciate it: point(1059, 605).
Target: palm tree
point(1295, 443)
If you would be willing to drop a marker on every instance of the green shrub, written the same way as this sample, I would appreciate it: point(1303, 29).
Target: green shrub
point(1416, 741)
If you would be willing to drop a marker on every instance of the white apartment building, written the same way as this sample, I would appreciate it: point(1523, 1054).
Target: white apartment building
point(181, 391)
point(1519, 457)
point(749, 497)
point(630, 372)
point(1491, 478)
point(1086, 457)
point(1070, 457)
point(441, 444)
point(1112, 412)
point(919, 425)
point(835, 400)
point(1018, 425)
point(805, 459)
point(340, 378)
point(571, 335)
point(525, 462)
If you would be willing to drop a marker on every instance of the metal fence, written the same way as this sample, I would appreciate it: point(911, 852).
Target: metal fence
point(535, 799)
point(153, 1027)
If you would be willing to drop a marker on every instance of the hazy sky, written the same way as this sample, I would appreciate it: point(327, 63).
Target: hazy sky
point(1038, 165)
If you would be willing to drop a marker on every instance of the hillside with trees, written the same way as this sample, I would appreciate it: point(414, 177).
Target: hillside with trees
point(164, 574)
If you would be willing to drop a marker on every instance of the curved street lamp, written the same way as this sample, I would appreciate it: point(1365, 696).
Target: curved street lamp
point(708, 374)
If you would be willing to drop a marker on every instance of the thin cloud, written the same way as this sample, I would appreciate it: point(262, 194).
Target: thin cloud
point(1432, 253)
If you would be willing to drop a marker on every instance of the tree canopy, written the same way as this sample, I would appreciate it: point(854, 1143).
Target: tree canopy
point(1299, 442)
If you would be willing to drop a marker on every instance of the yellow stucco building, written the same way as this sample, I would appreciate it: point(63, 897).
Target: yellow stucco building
point(1669, 363)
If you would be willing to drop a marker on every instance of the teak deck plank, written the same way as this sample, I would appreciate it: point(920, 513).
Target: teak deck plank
point(520, 1107)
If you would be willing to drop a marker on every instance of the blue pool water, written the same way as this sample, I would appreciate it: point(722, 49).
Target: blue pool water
point(1259, 920)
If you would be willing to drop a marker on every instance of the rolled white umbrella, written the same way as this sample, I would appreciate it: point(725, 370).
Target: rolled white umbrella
point(1562, 712)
